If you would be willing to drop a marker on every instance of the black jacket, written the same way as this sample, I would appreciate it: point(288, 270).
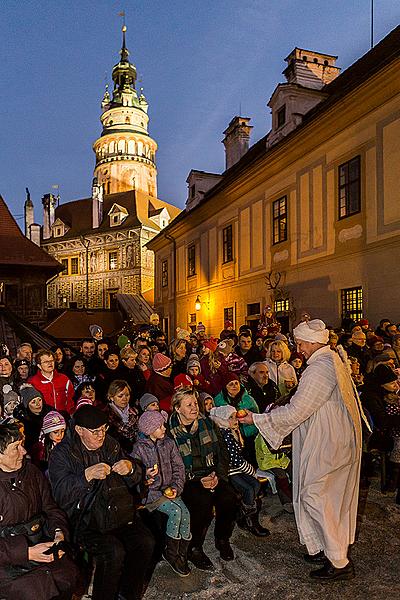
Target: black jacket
point(251, 356)
point(71, 490)
point(265, 395)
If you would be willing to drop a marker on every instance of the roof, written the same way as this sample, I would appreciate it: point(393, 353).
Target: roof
point(74, 324)
point(135, 306)
point(359, 72)
point(16, 249)
point(14, 331)
point(77, 214)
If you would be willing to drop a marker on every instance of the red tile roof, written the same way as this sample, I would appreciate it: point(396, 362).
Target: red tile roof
point(16, 249)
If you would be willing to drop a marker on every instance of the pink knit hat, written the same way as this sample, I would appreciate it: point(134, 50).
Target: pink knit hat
point(53, 421)
point(182, 381)
point(82, 401)
point(161, 362)
point(151, 420)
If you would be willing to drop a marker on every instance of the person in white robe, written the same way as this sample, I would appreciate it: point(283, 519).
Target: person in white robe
point(324, 416)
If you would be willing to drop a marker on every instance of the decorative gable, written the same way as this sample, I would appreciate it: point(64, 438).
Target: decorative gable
point(117, 215)
point(159, 216)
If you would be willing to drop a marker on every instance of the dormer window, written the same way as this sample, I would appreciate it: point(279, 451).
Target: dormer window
point(281, 116)
point(58, 228)
point(117, 215)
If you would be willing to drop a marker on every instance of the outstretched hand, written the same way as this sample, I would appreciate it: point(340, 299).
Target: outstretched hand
point(247, 419)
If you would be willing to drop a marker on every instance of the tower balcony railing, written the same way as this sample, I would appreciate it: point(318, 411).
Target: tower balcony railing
point(113, 156)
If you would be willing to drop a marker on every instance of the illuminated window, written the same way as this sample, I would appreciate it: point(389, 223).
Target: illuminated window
point(228, 314)
point(227, 244)
point(113, 260)
point(350, 187)
point(352, 303)
point(279, 220)
point(74, 266)
point(282, 305)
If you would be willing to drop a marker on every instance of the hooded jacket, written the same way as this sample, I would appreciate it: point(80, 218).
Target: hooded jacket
point(165, 454)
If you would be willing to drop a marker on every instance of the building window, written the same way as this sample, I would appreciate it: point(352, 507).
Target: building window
point(74, 266)
point(115, 219)
point(281, 116)
point(164, 273)
point(282, 305)
point(350, 187)
point(64, 262)
point(253, 309)
point(279, 220)
point(228, 314)
point(227, 244)
point(191, 260)
point(352, 303)
point(113, 260)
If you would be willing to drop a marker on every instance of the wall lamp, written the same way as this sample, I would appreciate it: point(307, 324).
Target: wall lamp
point(198, 303)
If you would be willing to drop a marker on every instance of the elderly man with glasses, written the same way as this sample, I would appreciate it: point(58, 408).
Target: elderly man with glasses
point(95, 483)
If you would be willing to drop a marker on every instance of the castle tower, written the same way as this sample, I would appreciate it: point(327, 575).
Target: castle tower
point(125, 153)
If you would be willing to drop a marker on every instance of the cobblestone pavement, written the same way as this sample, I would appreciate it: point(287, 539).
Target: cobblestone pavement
point(273, 568)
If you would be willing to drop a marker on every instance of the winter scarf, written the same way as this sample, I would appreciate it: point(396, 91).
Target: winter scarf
point(183, 439)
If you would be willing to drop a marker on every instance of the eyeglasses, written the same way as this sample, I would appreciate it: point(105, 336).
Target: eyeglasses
point(98, 432)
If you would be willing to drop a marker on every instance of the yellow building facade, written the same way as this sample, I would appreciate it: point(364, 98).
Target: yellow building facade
point(308, 218)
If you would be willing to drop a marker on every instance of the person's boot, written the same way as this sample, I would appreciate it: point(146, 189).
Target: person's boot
point(249, 520)
point(225, 549)
point(171, 555)
point(255, 527)
point(199, 559)
point(183, 555)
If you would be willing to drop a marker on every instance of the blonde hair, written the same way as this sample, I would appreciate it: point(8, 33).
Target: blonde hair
point(175, 345)
point(280, 345)
point(117, 386)
point(179, 395)
point(127, 352)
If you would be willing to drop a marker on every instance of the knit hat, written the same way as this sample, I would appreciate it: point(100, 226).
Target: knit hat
point(53, 421)
point(226, 346)
point(182, 381)
point(182, 334)
point(384, 374)
point(211, 344)
point(200, 327)
point(28, 393)
point(95, 330)
point(123, 341)
point(147, 399)
point(19, 362)
point(193, 361)
point(161, 362)
point(82, 402)
point(228, 324)
point(374, 339)
point(90, 417)
point(313, 331)
point(220, 415)
point(150, 420)
point(363, 322)
point(295, 355)
point(231, 376)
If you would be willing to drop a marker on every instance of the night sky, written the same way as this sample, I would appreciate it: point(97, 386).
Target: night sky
point(200, 61)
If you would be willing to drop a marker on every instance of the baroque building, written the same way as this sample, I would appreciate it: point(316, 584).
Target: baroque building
point(101, 241)
point(308, 218)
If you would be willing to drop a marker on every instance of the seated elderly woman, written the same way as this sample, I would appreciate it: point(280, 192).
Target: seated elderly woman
point(30, 526)
point(206, 487)
point(280, 371)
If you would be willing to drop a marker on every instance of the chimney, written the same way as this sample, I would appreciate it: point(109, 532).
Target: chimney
point(310, 69)
point(236, 140)
point(34, 233)
point(46, 216)
point(97, 204)
point(28, 213)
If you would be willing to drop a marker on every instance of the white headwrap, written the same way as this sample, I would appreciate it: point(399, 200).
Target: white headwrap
point(220, 415)
point(312, 331)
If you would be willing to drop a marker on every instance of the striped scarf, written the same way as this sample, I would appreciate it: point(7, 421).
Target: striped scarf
point(183, 438)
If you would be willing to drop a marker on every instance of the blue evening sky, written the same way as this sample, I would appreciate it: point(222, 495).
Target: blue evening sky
point(199, 61)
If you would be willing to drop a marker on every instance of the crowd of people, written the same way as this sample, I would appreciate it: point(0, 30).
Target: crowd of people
point(127, 449)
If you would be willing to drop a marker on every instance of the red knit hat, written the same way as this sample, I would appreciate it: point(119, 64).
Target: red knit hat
point(231, 377)
point(374, 339)
point(211, 344)
point(182, 381)
point(228, 324)
point(161, 362)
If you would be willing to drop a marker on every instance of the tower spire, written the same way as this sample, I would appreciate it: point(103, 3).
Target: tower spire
point(124, 52)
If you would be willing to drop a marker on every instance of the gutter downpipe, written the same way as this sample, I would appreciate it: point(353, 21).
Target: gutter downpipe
point(172, 239)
